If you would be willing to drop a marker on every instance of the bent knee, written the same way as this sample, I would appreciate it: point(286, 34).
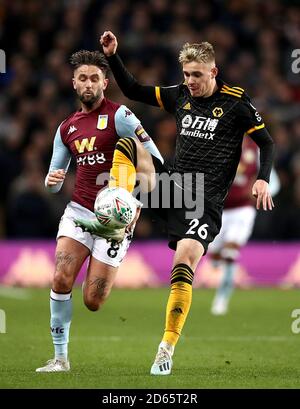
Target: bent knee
point(62, 283)
point(188, 252)
point(92, 304)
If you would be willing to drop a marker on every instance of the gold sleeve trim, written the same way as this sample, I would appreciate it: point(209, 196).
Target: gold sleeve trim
point(255, 128)
point(158, 98)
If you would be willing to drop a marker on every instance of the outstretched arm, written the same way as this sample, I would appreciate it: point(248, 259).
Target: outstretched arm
point(163, 97)
point(126, 81)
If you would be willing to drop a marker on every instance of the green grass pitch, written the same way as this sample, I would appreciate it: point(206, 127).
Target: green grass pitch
point(252, 347)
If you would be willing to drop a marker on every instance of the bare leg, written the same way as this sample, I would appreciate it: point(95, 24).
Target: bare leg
point(69, 257)
point(98, 283)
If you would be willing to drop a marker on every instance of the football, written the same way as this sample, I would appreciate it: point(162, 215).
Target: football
point(115, 207)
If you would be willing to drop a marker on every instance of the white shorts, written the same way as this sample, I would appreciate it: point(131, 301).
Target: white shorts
point(102, 250)
point(237, 225)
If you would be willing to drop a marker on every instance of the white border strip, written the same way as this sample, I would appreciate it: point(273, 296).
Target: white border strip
point(60, 297)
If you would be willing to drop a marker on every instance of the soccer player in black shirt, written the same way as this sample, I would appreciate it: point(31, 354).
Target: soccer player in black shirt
point(212, 119)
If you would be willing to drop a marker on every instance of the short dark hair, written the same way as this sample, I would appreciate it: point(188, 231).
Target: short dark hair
point(85, 57)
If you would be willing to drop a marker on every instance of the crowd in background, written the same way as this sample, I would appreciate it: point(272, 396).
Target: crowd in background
point(253, 40)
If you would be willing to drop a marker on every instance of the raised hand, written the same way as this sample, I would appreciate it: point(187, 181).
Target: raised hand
point(109, 43)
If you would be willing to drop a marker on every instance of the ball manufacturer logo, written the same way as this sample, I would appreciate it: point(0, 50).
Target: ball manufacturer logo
point(122, 211)
point(104, 219)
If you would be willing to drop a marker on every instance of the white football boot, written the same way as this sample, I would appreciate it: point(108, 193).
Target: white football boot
point(219, 306)
point(163, 361)
point(55, 365)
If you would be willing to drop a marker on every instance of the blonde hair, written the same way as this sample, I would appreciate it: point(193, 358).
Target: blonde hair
point(203, 52)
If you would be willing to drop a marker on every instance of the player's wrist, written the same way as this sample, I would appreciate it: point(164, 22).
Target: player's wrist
point(47, 181)
point(110, 54)
point(262, 180)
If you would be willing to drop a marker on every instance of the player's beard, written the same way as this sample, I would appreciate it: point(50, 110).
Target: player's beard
point(89, 100)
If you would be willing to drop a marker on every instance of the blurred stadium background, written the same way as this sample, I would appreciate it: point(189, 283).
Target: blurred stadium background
point(254, 41)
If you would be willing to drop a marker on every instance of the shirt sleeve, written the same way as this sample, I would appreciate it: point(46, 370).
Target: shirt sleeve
point(167, 97)
point(128, 125)
point(251, 120)
point(61, 158)
point(253, 125)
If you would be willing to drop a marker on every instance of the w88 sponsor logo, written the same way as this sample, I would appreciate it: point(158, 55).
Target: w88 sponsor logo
point(91, 159)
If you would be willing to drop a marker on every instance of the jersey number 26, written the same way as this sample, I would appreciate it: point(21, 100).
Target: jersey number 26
point(202, 230)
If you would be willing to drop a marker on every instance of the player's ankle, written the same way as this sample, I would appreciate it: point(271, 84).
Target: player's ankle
point(169, 347)
point(63, 358)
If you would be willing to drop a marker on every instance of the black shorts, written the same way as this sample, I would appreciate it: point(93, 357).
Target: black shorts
point(202, 227)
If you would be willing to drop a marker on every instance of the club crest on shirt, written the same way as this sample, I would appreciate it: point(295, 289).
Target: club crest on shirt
point(217, 112)
point(102, 122)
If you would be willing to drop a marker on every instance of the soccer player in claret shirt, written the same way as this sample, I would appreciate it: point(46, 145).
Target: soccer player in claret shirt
point(212, 118)
point(100, 130)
